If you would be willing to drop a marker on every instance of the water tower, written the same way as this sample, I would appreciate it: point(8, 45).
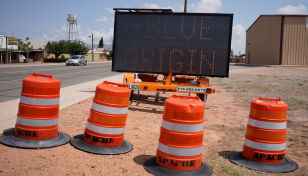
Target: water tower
point(72, 29)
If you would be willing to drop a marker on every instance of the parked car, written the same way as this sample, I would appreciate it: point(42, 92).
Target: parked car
point(77, 60)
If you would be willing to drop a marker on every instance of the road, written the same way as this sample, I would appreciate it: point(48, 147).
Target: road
point(11, 75)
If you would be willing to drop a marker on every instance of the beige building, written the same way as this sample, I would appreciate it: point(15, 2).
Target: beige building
point(99, 55)
point(278, 40)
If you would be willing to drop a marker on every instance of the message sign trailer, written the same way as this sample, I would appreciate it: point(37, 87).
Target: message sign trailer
point(167, 85)
point(158, 41)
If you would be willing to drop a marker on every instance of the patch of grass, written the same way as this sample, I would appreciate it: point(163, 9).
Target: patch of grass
point(288, 79)
point(226, 168)
point(231, 171)
point(262, 76)
point(43, 157)
point(304, 142)
point(248, 81)
point(295, 104)
point(305, 81)
point(266, 89)
point(241, 89)
point(229, 89)
point(223, 125)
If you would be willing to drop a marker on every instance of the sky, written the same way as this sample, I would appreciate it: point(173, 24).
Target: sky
point(47, 19)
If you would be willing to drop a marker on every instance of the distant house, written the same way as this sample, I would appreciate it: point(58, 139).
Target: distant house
point(38, 54)
point(11, 48)
point(99, 55)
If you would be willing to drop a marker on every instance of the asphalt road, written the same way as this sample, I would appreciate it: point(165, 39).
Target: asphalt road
point(11, 75)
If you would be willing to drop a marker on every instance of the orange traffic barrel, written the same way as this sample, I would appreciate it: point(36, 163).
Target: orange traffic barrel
point(38, 114)
point(104, 132)
point(265, 139)
point(180, 143)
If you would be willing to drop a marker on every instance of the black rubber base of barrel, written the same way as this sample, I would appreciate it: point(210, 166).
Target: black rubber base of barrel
point(152, 167)
point(287, 166)
point(10, 140)
point(80, 144)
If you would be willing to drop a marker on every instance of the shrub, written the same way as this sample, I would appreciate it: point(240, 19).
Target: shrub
point(55, 60)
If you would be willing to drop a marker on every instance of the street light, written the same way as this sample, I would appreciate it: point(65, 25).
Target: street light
point(92, 49)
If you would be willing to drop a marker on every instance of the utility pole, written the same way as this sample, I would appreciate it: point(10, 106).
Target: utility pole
point(6, 54)
point(92, 49)
point(185, 6)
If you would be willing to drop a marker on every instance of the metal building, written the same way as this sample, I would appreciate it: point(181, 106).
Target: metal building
point(278, 40)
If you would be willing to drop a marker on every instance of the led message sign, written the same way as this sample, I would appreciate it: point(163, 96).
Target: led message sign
point(187, 43)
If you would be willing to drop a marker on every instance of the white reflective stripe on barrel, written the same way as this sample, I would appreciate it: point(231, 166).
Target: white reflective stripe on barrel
point(179, 151)
point(39, 101)
point(37, 123)
point(267, 125)
point(182, 127)
point(108, 109)
point(264, 146)
point(104, 130)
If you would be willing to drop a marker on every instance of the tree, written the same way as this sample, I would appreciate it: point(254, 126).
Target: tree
point(26, 47)
point(232, 53)
point(110, 53)
point(57, 48)
point(242, 55)
point(101, 43)
point(77, 48)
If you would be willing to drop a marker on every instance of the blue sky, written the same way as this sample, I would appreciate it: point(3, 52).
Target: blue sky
point(46, 19)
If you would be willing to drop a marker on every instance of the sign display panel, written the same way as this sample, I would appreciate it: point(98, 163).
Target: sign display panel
point(186, 43)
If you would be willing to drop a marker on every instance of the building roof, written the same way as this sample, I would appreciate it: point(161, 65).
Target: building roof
point(282, 15)
point(37, 45)
point(142, 10)
point(100, 50)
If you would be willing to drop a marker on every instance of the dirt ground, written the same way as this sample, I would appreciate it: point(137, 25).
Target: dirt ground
point(226, 116)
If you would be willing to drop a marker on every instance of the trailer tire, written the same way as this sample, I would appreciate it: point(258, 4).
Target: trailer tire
point(202, 97)
point(131, 95)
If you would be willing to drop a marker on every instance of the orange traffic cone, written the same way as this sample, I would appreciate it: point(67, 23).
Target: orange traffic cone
point(38, 113)
point(180, 143)
point(265, 139)
point(104, 133)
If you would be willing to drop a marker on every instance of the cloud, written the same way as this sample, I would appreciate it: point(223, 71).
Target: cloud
point(155, 6)
point(60, 34)
point(45, 37)
point(4, 30)
point(243, 19)
point(289, 9)
point(168, 7)
point(103, 19)
point(238, 39)
point(97, 34)
point(55, 35)
point(179, 7)
point(109, 9)
point(151, 6)
point(206, 6)
point(36, 30)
